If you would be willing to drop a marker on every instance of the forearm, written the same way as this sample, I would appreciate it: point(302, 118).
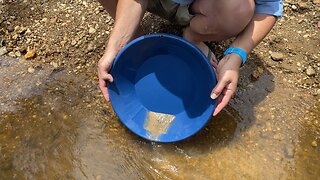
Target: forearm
point(128, 17)
point(254, 33)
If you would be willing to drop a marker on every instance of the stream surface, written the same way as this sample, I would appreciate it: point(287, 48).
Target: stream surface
point(56, 125)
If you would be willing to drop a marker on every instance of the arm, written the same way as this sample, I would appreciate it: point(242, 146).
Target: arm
point(128, 17)
point(228, 68)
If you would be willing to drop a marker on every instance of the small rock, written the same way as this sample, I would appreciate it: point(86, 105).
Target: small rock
point(303, 5)
point(30, 54)
point(73, 42)
point(257, 73)
point(318, 92)
point(310, 71)
point(12, 54)
point(28, 31)
point(3, 50)
point(31, 70)
point(314, 143)
point(53, 20)
point(55, 65)
point(92, 30)
point(294, 7)
point(90, 47)
point(289, 151)
point(316, 1)
point(99, 177)
point(44, 20)
point(306, 36)
point(277, 56)
point(15, 36)
point(10, 29)
point(20, 29)
point(18, 53)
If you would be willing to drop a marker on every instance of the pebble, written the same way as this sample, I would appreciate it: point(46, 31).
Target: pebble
point(314, 143)
point(45, 20)
point(12, 54)
point(99, 177)
point(318, 92)
point(90, 47)
point(31, 70)
point(55, 65)
point(92, 30)
point(303, 5)
point(18, 53)
point(28, 31)
point(3, 50)
point(277, 56)
point(20, 30)
point(257, 73)
point(310, 71)
point(53, 20)
point(10, 29)
point(30, 54)
point(294, 7)
point(17, 28)
point(73, 42)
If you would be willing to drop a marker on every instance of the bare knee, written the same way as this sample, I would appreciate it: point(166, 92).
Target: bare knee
point(222, 19)
point(239, 19)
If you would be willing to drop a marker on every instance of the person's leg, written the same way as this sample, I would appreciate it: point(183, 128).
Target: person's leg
point(218, 20)
point(110, 6)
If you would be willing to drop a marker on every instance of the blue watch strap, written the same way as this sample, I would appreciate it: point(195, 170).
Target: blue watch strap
point(238, 51)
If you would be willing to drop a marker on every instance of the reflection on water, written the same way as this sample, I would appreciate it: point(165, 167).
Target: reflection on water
point(59, 127)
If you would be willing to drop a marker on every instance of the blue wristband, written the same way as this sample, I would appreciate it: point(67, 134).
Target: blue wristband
point(238, 51)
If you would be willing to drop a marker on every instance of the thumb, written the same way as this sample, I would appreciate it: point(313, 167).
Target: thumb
point(107, 77)
point(218, 89)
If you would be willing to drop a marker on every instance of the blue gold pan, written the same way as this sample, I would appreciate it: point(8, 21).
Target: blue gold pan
point(161, 89)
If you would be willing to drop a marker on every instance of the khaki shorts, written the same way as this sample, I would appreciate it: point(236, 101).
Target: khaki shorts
point(171, 11)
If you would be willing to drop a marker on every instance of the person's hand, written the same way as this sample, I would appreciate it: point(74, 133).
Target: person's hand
point(104, 67)
point(228, 75)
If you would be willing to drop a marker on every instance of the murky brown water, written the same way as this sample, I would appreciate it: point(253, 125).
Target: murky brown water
point(56, 125)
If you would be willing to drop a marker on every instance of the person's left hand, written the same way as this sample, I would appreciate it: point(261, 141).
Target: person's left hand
point(228, 75)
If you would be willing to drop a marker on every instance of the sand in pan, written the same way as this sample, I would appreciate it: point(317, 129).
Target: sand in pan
point(157, 124)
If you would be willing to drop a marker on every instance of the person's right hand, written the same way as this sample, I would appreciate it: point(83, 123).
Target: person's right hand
point(104, 67)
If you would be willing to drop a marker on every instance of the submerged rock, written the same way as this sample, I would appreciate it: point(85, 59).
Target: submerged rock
point(310, 71)
point(277, 56)
point(257, 73)
point(289, 151)
point(30, 54)
point(314, 143)
point(31, 70)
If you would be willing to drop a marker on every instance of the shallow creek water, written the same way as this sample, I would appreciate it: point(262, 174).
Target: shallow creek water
point(55, 125)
